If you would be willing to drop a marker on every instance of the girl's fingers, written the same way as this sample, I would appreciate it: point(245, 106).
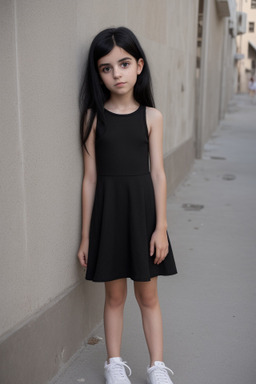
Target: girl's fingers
point(160, 250)
point(160, 255)
point(82, 253)
point(82, 259)
point(152, 248)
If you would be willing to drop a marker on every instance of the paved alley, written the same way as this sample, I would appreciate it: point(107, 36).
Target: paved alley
point(209, 307)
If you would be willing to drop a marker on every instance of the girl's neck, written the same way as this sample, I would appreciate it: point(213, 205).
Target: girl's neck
point(121, 105)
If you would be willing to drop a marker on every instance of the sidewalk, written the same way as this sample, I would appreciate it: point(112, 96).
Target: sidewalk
point(209, 308)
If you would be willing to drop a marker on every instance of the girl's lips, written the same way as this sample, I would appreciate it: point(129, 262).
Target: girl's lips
point(119, 84)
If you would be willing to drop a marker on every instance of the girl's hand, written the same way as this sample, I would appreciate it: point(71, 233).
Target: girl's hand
point(159, 242)
point(83, 252)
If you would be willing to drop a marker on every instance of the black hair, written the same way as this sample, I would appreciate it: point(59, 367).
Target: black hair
point(93, 93)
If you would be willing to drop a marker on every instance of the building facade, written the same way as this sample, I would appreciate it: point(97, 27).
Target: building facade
point(216, 66)
point(246, 45)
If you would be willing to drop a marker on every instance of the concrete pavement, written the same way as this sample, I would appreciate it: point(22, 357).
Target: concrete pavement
point(209, 308)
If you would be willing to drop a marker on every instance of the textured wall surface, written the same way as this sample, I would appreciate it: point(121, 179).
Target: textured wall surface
point(214, 67)
point(41, 153)
point(45, 44)
point(217, 71)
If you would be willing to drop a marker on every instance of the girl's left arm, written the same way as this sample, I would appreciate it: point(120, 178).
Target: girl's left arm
point(159, 241)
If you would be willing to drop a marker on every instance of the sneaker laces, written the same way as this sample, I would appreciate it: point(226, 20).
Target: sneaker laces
point(161, 374)
point(118, 371)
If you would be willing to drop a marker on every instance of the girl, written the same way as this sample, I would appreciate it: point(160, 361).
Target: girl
point(252, 87)
point(124, 227)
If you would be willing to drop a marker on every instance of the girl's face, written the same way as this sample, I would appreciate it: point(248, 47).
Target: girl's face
point(119, 70)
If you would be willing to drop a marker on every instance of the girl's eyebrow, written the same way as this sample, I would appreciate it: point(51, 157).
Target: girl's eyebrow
point(119, 61)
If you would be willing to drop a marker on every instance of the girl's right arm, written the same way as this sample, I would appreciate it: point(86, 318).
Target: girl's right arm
point(88, 193)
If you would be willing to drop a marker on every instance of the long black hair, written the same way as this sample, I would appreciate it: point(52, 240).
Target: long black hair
point(93, 93)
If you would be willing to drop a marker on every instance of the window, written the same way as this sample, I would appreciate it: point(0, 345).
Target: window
point(253, 67)
point(251, 27)
point(253, 4)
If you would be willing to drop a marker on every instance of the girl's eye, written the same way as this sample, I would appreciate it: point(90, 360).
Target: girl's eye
point(125, 64)
point(106, 69)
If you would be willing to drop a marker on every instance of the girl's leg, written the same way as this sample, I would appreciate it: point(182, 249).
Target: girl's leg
point(147, 298)
point(115, 296)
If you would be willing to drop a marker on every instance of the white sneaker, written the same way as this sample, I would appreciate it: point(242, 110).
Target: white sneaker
point(158, 374)
point(115, 371)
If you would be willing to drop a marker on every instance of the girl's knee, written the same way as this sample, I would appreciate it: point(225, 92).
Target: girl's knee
point(115, 297)
point(146, 299)
point(115, 300)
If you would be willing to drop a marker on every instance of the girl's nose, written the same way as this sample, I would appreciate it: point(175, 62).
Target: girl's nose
point(116, 73)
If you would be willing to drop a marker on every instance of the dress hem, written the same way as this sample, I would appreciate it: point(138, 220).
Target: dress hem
point(130, 277)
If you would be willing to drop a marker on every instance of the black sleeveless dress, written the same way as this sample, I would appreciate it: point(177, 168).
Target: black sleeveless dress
point(124, 215)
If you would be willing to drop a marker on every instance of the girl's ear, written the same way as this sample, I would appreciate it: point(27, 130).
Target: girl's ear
point(140, 65)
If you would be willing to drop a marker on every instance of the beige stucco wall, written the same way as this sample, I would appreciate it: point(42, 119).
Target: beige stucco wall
point(230, 67)
point(217, 72)
point(40, 196)
point(213, 66)
point(44, 45)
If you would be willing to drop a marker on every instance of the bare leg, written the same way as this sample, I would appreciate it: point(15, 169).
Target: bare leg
point(147, 298)
point(116, 292)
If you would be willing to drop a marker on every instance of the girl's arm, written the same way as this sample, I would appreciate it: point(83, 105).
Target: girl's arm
point(88, 193)
point(159, 239)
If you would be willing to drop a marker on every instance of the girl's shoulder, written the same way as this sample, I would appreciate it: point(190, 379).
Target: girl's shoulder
point(153, 113)
point(154, 117)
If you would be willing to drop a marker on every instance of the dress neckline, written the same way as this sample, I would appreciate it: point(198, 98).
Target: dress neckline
point(123, 114)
